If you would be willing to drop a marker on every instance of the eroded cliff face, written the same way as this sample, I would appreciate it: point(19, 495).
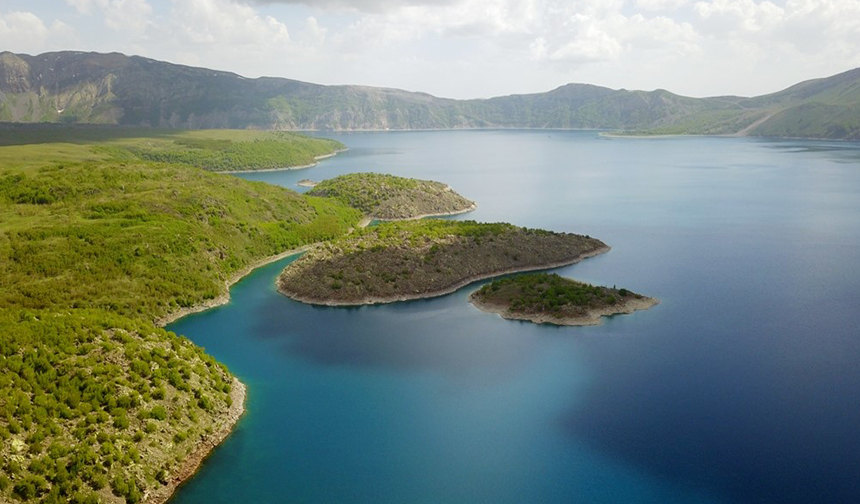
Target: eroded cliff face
point(45, 89)
point(14, 74)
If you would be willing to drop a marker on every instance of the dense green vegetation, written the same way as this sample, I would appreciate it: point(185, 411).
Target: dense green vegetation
point(144, 239)
point(387, 197)
point(536, 292)
point(97, 404)
point(284, 150)
point(413, 259)
point(555, 298)
point(116, 89)
point(94, 405)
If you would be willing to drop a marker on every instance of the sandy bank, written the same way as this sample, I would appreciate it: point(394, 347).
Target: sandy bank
point(225, 297)
point(645, 136)
point(593, 318)
point(470, 208)
point(286, 168)
point(368, 300)
point(192, 462)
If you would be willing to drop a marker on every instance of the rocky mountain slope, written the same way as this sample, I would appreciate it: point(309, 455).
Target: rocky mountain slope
point(79, 87)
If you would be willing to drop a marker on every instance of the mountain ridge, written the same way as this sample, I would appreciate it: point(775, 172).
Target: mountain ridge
point(112, 88)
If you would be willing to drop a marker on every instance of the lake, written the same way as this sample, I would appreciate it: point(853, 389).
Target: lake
point(742, 386)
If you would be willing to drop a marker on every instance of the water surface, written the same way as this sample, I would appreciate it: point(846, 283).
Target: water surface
point(742, 386)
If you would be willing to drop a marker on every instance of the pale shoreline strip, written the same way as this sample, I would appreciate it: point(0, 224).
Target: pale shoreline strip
point(224, 298)
point(369, 300)
point(190, 464)
point(594, 317)
point(317, 159)
point(470, 208)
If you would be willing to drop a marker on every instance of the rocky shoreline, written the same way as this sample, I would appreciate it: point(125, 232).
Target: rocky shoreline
point(369, 300)
point(593, 318)
point(192, 462)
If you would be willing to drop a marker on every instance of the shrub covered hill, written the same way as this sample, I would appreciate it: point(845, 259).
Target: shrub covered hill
point(97, 403)
point(549, 298)
point(415, 259)
point(212, 150)
point(78, 87)
point(387, 197)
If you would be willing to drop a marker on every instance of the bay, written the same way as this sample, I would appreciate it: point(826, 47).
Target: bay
point(742, 386)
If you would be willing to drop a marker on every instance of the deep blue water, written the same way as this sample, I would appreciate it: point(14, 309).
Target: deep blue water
point(742, 386)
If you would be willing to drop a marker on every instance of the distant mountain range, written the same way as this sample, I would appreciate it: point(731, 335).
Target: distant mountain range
point(78, 87)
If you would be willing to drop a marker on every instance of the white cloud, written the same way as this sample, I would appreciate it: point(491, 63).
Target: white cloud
point(224, 23)
point(372, 6)
point(132, 17)
point(129, 16)
point(602, 31)
point(660, 5)
point(82, 6)
point(26, 32)
point(797, 28)
point(731, 16)
point(313, 34)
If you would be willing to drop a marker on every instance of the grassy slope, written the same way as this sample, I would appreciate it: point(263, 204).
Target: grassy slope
point(212, 150)
point(142, 239)
point(419, 258)
point(552, 295)
point(818, 108)
point(813, 120)
point(389, 197)
point(95, 401)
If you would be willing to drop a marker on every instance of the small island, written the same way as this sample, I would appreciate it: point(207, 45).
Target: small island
point(387, 197)
point(398, 261)
point(306, 183)
point(552, 299)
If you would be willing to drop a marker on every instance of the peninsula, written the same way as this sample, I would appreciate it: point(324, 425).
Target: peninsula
point(398, 261)
point(387, 197)
point(100, 246)
point(552, 299)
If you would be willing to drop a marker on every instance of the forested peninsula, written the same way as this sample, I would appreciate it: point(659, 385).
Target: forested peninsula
point(99, 244)
point(416, 259)
point(388, 197)
point(552, 299)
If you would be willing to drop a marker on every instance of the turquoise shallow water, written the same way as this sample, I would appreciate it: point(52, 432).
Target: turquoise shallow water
point(742, 386)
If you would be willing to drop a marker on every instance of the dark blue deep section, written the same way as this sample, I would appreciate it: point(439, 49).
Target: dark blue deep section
point(742, 386)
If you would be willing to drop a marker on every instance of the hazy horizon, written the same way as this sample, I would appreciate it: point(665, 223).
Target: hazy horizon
point(465, 48)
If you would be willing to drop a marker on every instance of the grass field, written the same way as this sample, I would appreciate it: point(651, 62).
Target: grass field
point(389, 197)
point(29, 146)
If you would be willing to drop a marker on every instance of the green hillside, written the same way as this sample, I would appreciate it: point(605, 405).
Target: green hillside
point(387, 197)
point(97, 404)
point(212, 150)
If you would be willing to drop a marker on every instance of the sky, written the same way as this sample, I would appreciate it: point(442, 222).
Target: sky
point(465, 48)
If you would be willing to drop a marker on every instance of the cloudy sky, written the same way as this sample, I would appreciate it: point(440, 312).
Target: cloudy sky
point(465, 48)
